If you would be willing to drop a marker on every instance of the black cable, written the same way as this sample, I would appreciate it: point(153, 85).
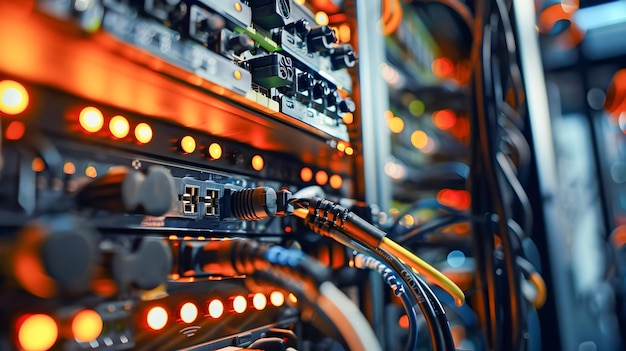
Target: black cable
point(486, 108)
point(518, 189)
point(436, 320)
point(418, 232)
point(392, 279)
point(430, 203)
point(293, 268)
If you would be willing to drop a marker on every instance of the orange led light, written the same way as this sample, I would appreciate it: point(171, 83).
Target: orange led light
point(396, 124)
point(119, 127)
point(86, 325)
point(216, 309)
point(91, 172)
point(187, 144)
point(188, 312)
point(157, 318)
point(349, 151)
point(409, 220)
point(336, 181)
point(341, 147)
point(348, 118)
point(458, 199)
point(419, 139)
point(37, 332)
point(306, 174)
point(91, 119)
point(259, 301)
point(344, 33)
point(143, 133)
point(215, 151)
point(277, 298)
point(321, 18)
point(240, 304)
point(38, 165)
point(444, 119)
point(13, 97)
point(442, 67)
point(292, 298)
point(69, 168)
point(15, 130)
point(403, 321)
point(321, 177)
point(257, 162)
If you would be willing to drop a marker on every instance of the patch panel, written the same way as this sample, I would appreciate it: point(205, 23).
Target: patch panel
point(168, 44)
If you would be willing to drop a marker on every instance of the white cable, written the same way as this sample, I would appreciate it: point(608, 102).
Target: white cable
point(352, 325)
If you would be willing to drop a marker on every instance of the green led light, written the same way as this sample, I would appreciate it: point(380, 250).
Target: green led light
point(417, 107)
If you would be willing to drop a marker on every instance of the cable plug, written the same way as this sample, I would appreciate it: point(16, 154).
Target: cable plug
point(245, 257)
point(256, 203)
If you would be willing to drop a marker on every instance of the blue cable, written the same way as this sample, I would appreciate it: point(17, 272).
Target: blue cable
point(398, 289)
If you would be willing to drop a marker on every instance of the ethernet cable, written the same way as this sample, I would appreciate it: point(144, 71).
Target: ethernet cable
point(293, 269)
point(363, 261)
point(321, 215)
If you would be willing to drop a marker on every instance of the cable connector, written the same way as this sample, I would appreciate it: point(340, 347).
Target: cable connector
point(257, 203)
point(324, 214)
point(245, 257)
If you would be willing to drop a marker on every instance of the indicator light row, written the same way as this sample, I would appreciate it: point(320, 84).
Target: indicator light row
point(39, 332)
point(92, 120)
point(157, 317)
point(321, 178)
point(14, 99)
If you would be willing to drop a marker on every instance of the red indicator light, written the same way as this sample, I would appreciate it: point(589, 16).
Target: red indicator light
point(86, 325)
point(13, 97)
point(216, 309)
point(37, 332)
point(157, 318)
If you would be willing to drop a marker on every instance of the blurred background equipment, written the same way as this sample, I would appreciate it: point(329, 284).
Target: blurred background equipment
point(312, 175)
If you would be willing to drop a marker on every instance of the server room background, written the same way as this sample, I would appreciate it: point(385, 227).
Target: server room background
point(312, 175)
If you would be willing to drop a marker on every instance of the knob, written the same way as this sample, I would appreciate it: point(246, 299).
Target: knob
point(145, 268)
point(343, 57)
point(347, 105)
point(240, 43)
point(126, 191)
point(320, 39)
point(54, 255)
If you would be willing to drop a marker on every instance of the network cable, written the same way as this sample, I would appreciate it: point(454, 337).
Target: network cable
point(297, 271)
point(363, 261)
point(336, 222)
point(432, 310)
point(323, 215)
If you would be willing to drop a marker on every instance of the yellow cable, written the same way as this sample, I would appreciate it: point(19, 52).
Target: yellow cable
point(540, 299)
point(422, 267)
point(416, 263)
point(301, 212)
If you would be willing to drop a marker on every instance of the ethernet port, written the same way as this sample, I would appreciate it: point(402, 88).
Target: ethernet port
point(211, 198)
point(190, 199)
